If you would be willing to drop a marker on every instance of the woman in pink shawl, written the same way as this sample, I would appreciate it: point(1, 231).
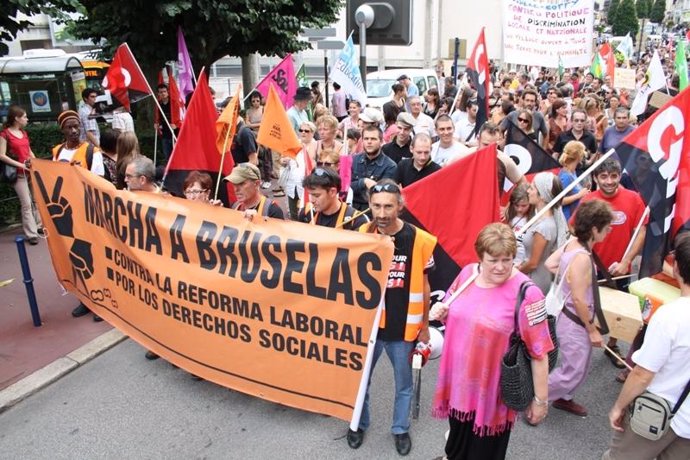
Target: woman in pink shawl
point(478, 325)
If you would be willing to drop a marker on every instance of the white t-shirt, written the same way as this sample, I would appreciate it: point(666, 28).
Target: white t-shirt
point(96, 162)
point(123, 122)
point(666, 352)
point(425, 124)
point(463, 130)
point(441, 155)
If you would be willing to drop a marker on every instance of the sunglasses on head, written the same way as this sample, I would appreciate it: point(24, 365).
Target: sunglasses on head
point(390, 188)
point(324, 171)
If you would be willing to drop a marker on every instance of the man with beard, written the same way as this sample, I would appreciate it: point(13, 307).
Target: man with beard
point(399, 147)
point(246, 181)
point(405, 318)
point(539, 125)
point(615, 134)
point(324, 207)
point(369, 167)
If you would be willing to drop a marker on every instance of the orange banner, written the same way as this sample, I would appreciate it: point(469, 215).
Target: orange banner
point(280, 310)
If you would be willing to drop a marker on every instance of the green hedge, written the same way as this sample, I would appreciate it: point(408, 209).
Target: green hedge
point(43, 137)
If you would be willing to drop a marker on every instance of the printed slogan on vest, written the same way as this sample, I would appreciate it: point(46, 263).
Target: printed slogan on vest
point(280, 310)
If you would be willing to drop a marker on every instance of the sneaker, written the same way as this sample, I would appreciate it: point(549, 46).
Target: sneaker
point(570, 406)
point(266, 185)
point(613, 358)
point(151, 356)
point(80, 311)
point(355, 438)
point(403, 443)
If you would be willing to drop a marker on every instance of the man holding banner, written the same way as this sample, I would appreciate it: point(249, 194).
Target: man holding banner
point(405, 316)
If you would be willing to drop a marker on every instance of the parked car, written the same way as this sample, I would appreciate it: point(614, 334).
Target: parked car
point(379, 83)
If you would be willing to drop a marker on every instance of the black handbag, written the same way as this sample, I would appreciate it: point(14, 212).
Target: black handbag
point(8, 174)
point(517, 387)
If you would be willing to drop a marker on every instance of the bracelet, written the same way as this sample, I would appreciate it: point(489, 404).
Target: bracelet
point(540, 402)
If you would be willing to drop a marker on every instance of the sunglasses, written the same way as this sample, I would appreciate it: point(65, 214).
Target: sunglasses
point(578, 120)
point(304, 130)
point(390, 188)
point(326, 164)
point(523, 120)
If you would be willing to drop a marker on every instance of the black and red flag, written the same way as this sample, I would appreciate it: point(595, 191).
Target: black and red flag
point(478, 73)
point(529, 156)
point(656, 156)
point(454, 204)
point(195, 149)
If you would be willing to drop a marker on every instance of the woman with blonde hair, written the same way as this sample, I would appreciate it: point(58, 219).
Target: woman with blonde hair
point(328, 128)
point(127, 150)
point(295, 169)
point(573, 154)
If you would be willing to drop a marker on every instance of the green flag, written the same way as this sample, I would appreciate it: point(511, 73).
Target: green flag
point(302, 76)
point(681, 65)
point(597, 68)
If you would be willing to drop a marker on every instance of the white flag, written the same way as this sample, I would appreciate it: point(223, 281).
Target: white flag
point(654, 80)
point(626, 47)
point(346, 73)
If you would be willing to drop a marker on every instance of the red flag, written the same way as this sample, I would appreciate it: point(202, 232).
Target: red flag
point(470, 201)
point(656, 156)
point(196, 146)
point(607, 54)
point(124, 75)
point(478, 72)
point(177, 106)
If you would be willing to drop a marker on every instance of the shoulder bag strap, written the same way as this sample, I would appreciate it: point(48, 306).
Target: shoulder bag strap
point(604, 271)
point(603, 326)
point(681, 399)
point(518, 302)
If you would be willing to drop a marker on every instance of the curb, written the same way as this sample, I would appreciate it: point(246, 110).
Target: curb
point(40, 379)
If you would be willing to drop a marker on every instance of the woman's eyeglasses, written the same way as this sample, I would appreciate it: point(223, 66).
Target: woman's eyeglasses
point(523, 120)
point(194, 192)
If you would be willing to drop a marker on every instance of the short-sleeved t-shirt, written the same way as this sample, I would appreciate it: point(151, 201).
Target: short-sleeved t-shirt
point(243, 145)
point(568, 178)
point(628, 209)
point(398, 287)
point(666, 352)
point(331, 220)
point(546, 227)
point(97, 166)
point(441, 155)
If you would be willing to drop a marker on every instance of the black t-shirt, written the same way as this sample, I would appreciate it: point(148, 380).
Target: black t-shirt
point(395, 152)
point(587, 139)
point(331, 220)
point(243, 145)
point(398, 287)
point(407, 174)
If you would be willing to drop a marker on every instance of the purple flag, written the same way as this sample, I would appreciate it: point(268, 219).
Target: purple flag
point(184, 66)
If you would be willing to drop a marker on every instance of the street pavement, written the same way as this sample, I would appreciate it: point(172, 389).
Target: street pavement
point(119, 405)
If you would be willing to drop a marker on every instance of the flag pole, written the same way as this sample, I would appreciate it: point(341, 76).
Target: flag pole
point(636, 232)
point(155, 145)
point(155, 99)
point(549, 205)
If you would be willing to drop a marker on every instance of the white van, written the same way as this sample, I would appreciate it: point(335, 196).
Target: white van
point(379, 83)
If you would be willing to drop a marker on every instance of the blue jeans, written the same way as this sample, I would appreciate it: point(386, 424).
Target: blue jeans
point(399, 354)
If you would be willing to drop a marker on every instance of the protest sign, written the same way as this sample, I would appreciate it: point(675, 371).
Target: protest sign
point(280, 310)
point(538, 32)
point(624, 78)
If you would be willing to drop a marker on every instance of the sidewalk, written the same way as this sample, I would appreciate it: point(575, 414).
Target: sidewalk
point(24, 349)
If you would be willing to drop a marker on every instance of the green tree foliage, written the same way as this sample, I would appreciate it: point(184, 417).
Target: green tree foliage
point(611, 12)
point(10, 25)
point(626, 19)
point(658, 11)
point(643, 8)
point(212, 28)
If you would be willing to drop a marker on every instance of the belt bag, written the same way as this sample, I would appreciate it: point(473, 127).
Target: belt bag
point(651, 415)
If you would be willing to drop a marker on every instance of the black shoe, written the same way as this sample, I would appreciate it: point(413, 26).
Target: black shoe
point(151, 356)
point(96, 318)
point(403, 443)
point(355, 438)
point(80, 311)
point(33, 241)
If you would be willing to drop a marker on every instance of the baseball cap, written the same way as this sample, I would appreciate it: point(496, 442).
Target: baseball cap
point(303, 94)
point(406, 119)
point(371, 115)
point(243, 172)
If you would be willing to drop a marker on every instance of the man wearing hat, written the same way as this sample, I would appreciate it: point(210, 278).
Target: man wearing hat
point(81, 153)
point(246, 180)
point(412, 89)
point(298, 112)
point(74, 150)
point(399, 147)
